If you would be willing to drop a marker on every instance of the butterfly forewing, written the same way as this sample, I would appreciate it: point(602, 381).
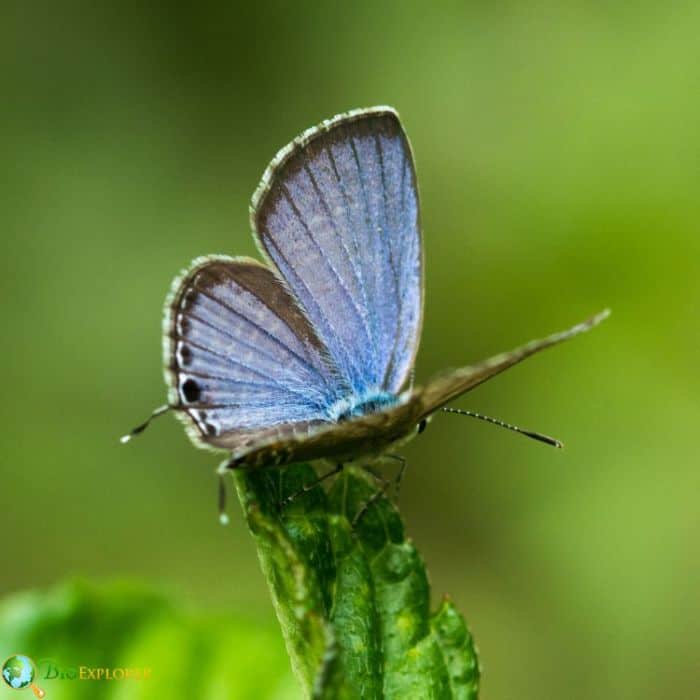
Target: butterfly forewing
point(452, 384)
point(337, 214)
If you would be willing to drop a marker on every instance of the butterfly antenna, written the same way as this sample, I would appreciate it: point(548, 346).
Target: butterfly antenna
point(140, 428)
point(502, 424)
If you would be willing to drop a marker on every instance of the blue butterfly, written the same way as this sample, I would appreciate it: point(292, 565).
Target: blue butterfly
point(309, 356)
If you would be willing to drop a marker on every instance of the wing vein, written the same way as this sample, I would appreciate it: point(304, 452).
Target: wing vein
point(368, 219)
point(341, 286)
point(321, 315)
point(324, 204)
point(246, 345)
point(228, 380)
point(265, 303)
point(359, 274)
point(258, 327)
point(392, 264)
point(232, 361)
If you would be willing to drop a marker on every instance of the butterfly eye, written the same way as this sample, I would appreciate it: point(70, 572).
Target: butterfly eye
point(422, 426)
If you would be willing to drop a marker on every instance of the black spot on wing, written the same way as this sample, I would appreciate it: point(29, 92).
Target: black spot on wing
point(191, 390)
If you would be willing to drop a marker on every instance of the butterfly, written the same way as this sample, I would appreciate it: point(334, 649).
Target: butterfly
point(309, 355)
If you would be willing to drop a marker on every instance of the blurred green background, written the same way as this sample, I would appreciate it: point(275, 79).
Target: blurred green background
point(558, 156)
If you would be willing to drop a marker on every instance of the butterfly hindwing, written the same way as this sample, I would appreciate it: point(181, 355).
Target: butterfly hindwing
point(337, 214)
point(240, 354)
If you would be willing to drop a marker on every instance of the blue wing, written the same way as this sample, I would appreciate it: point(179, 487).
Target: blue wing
point(337, 214)
point(240, 355)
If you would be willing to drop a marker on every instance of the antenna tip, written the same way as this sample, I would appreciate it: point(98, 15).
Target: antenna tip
point(549, 440)
point(223, 519)
point(124, 439)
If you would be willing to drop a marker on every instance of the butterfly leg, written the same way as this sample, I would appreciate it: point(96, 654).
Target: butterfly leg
point(312, 484)
point(376, 476)
point(383, 488)
point(399, 475)
point(396, 480)
point(385, 484)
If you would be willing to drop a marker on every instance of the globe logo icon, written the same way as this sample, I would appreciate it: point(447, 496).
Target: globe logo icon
point(18, 672)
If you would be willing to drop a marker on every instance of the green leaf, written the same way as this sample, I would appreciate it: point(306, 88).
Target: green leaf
point(353, 602)
point(128, 626)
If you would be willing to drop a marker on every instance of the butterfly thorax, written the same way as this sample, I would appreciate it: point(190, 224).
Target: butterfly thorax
point(362, 404)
